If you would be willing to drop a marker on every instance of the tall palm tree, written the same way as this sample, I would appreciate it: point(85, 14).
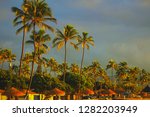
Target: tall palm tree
point(62, 37)
point(41, 48)
point(38, 13)
point(20, 19)
point(85, 41)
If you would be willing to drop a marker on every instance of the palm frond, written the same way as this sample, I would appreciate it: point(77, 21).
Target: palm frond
point(73, 37)
point(60, 45)
point(30, 26)
point(21, 28)
point(87, 46)
point(51, 19)
point(17, 18)
point(57, 39)
point(45, 26)
point(29, 42)
point(17, 10)
point(46, 37)
point(60, 34)
point(18, 23)
point(79, 43)
point(56, 43)
point(91, 42)
point(45, 46)
point(74, 45)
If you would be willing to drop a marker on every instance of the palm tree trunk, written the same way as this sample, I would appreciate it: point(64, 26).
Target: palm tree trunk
point(81, 71)
point(65, 61)
point(82, 60)
point(32, 68)
point(112, 76)
point(22, 51)
point(39, 68)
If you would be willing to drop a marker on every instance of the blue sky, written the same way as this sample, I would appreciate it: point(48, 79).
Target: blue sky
point(120, 28)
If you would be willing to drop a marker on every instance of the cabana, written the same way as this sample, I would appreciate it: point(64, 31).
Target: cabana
point(13, 93)
point(55, 94)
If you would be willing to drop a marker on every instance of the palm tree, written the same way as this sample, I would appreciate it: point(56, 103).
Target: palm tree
point(41, 48)
point(74, 68)
point(85, 41)
point(61, 68)
point(7, 56)
point(134, 73)
point(21, 16)
point(144, 78)
point(27, 59)
point(38, 13)
point(15, 69)
point(122, 72)
point(113, 66)
point(3, 56)
point(52, 63)
point(94, 69)
point(10, 58)
point(62, 37)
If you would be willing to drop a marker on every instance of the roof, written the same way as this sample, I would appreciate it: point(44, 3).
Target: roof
point(2, 91)
point(88, 91)
point(111, 92)
point(13, 92)
point(57, 91)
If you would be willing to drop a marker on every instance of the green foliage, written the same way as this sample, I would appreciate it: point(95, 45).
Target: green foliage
point(4, 79)
point(46, 83)
point(10, 80)
point(75, 80)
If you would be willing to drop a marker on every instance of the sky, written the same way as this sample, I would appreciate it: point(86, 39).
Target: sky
point(120, 29)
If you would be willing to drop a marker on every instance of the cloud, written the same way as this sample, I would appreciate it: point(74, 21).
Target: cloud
point(145, 2)
point(134, 51)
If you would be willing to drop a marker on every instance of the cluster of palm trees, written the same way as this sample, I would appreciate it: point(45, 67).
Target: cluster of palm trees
point(124, 75)
point(33, 14)
point(33, 17)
